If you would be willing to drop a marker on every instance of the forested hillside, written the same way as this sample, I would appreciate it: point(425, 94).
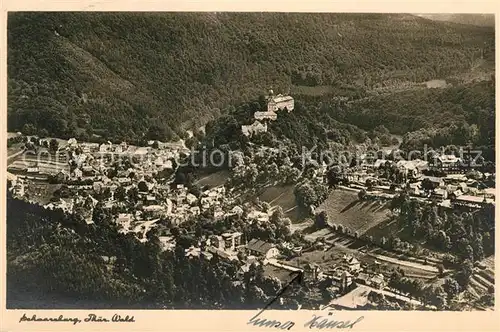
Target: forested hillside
point(447, 112)
point(474, 19)
point(152, 75)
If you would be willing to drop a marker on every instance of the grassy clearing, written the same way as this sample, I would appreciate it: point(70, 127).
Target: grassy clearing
point(213, 180)
point(283, 196)
point(343, 207)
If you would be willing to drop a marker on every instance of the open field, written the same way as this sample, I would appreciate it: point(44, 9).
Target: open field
point(213, 180)
point(277, 195)
point(283, 196)
point(344, 208)
point(15, 148)
point(301, 226)
point(371, 218)
point(14, 154)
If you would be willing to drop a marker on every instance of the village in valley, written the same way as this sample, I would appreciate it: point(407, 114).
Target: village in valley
point(338, 225)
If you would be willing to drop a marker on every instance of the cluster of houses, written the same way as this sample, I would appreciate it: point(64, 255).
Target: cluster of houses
point(90, 182)
point(453, 189)
point(176, 205)
point(340, 279)
point(274, 104)
point(83, 161)
point(347, 275)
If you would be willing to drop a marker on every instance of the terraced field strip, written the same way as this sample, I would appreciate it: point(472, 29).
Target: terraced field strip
point(488, 275)
point(430, 260)
point(473, 292)
point(483, 281)
point(477, 285)
point(405, 263)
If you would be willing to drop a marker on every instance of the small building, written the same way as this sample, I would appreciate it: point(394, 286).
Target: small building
point(231, 240)
point(258, 215)
point(150, 199)
point(446, 163)
point(455, 194)
point(88, 170)
point(352, 263)
point(270, 115)
point(192, 252)
point(261, 248)
point(104, 147)
point(170, 206)
point(18, 189)
point(341, 279)
point(379, 163)
point(167, 243)
point(433, 182)
point(142, 151)
point(97, 186)
point(414, 189)
point(89, 147)
point(378, 281)
point(440, 194)
point(191, 199)
point(72, 142)
point(124, 218)
point(77, 173)
point(412, 169)
point(168, 164)
point(218, 214)
point(455, 178)
point(217, 241)
point(237, 210)
point(254, 128)
point(474, 202)
point(125, 180)
point(154, 210)
point(354, 300)
point(195, 210)
point(61, 176)
point(33, 170)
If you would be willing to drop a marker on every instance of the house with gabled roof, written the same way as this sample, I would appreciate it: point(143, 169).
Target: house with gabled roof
point(263, 249)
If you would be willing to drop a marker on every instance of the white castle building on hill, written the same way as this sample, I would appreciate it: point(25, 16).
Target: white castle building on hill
point(279, 102)
point(274, 103)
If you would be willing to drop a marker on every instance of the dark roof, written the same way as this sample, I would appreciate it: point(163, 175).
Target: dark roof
point(259, 246)
point(434, 179)
point(363, 276)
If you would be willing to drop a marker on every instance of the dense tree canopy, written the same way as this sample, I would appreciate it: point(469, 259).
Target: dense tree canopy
point(85, 74)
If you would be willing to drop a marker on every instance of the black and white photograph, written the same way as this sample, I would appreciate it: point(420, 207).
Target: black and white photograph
point(250, 161)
